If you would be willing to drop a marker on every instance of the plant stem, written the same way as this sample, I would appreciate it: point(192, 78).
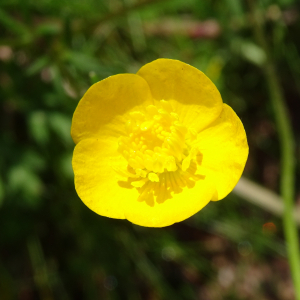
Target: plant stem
point(287, 180)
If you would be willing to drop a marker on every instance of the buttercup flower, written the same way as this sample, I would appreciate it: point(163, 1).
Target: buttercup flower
point(155, 147)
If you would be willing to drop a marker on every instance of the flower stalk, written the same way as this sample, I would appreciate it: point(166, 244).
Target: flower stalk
point(286, 139)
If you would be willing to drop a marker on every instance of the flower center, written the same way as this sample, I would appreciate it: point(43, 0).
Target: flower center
point(156, 143)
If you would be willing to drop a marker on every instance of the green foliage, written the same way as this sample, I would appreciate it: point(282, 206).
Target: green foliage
point(52, 246)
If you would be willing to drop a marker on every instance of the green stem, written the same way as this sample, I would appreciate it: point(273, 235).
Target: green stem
point(287, 180)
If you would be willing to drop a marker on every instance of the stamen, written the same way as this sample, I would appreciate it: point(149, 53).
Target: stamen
point(153, 177)
point(139, 183)
point(158, 151)
point(124, 173)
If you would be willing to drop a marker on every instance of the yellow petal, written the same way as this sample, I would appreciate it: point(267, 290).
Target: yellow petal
point(225, 150)
point(193, 96)
point(100, 188)
point(173, 207)
point(96, 182)
point(101, 110)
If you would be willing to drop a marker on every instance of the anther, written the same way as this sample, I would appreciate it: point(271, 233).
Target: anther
point(153, 177)
point(156, 145)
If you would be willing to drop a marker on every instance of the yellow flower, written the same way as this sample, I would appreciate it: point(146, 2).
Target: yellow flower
point(155, 147)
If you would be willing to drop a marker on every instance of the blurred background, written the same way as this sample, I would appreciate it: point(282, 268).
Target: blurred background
point(51, 245)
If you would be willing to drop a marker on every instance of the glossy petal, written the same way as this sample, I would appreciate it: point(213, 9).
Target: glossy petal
point(101, 110)
point(225, 150)
point(197, 100)
point(96, 181)
point(181, 206)
point(99, 187)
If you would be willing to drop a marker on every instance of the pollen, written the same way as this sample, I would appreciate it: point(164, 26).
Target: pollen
point(156, 143)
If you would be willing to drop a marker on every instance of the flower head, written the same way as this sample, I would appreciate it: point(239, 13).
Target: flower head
point(155, 147)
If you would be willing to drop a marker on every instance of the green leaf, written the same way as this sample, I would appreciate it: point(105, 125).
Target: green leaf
point(12, 24)
point(253, 53)
point(38, 65)
point(38, 127)
point(66, 165)
point(83, 62)
point(33, 161)
point(22, 181)
point(48, 29)
point(61, 125)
